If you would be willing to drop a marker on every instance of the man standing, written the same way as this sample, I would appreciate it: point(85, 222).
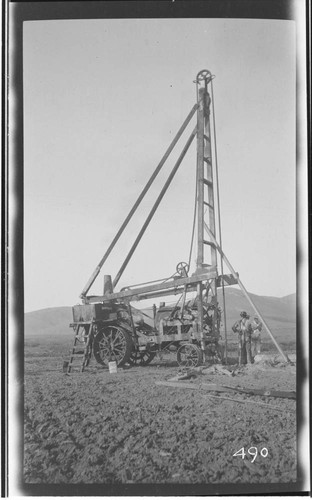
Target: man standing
point(256, 336)
point(244, 329)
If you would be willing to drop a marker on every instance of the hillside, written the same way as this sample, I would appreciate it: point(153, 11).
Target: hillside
point(280, 314)
point(53, 321)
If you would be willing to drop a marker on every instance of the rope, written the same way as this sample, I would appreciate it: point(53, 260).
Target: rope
point(219, 218)
point(194, 223)
point(195, 203)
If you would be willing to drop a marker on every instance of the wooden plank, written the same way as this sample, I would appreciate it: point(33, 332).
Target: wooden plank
point(225, 388)
point(207, 182)
point(255, 392)
point(249, 401)
point(227, 279)
point(269, 393)
point(184, 385)
point(178, 385)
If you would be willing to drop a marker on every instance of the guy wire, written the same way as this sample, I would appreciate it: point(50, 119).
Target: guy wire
point(195, 205)
point(219, 218)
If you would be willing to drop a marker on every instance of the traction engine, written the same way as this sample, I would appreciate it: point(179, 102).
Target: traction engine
point(111, 328)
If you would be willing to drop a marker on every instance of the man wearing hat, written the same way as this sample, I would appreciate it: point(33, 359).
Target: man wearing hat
point(244, 329)
point(256, 336)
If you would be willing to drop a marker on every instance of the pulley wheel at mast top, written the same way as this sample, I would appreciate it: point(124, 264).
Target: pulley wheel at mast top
point(204, 75)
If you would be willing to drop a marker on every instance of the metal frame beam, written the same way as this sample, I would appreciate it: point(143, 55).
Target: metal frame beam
point(247, 294)
point(200, 178)
point(227, 280)
point(173, 284)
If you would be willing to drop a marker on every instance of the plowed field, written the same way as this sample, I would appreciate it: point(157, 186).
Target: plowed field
point(97, 427)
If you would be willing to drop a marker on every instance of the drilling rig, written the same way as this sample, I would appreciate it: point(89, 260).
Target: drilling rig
point(111, 329)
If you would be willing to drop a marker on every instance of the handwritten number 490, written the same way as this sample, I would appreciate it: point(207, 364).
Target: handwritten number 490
point(253, 451)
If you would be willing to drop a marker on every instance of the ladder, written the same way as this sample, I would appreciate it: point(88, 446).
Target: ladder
point(81, 351)
point(206, 249)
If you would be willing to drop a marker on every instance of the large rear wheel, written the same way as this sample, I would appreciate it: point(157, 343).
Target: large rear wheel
point(112, 343)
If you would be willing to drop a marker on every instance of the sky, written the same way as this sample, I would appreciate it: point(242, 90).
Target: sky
point(102, 101)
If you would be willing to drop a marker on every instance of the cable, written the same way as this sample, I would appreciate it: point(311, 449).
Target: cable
point(155, 206)
point(194, 223)
point(219, 218)
point(138, 201)
point(195, 203)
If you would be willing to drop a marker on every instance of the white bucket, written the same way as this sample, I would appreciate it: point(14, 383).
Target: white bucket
point(112, 366)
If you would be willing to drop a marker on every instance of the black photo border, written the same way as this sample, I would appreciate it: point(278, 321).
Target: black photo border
point(12, 24)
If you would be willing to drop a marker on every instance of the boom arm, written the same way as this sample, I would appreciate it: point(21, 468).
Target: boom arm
point(137, 203)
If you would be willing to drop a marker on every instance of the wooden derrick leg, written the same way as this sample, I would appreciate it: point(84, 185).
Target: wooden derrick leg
point(200, 318)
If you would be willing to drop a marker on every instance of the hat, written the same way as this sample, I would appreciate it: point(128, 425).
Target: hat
point(244, 314)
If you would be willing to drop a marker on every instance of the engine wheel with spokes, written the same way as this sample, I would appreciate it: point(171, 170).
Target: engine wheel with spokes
point(141, 358)
point(189, 355)
point(112, 343)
